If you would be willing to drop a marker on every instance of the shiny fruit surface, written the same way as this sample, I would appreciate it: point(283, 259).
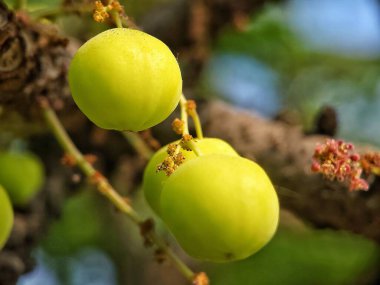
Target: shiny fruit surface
point(220, 208)
point(6, 217)
point(22, 175)
point(154, 180)
point(125, 79)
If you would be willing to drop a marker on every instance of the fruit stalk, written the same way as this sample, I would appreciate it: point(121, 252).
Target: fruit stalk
point(116, 18)
point(138, 144)
point(189, 108)
point(184, 117)
point(105, 188)
point(185, 129)
point(197, 125)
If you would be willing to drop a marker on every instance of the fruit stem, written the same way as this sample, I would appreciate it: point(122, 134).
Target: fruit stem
point(184, 117)
point(116, 18)
point(105, 188)
point(186, 111)
point(197, 124)
point(191, 109)
point(193, 146)
point(138, 144)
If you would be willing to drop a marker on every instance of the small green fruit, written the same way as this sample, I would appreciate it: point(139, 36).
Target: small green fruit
point(125, 79)
point(220, 208)
point(6, 217)
point(154, 180)
point(22, 175)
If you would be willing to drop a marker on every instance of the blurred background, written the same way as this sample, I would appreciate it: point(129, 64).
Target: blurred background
point(285, 60)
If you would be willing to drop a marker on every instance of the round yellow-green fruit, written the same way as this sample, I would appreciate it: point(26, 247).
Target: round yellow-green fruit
point(124, 79)
point(220, 207)
point(22, 175)
point(154, 180)
point(6, 217)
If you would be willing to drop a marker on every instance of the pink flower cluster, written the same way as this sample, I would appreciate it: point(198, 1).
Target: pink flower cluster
point(337, 160)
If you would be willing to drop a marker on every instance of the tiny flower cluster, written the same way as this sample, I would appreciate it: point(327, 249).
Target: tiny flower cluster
point(174, 159)
point(178, 126)
point(337, 160)
point(201, 279)
point(175, 156)
point(191, 108)
point(101, 12)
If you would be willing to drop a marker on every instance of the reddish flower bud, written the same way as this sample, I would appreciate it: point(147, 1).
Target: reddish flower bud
point(315, 166)
point(336, 160)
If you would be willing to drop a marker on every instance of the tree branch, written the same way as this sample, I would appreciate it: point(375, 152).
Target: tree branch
point(285, 153)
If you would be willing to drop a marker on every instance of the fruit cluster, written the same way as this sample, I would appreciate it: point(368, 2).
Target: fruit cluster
point(219, 206)
point(21, 176)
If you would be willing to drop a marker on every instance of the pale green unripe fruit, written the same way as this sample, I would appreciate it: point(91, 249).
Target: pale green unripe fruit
point(220, 208)
point(22, 175)
point(154, 180)
point(6, 217)
point(125, 79)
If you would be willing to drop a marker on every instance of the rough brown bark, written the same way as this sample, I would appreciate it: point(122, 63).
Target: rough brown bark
point(33, 62)
point(285, 153)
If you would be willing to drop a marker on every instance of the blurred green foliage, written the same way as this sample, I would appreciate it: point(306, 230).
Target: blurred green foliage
point(314, 258)
point(81, 224)
point(36, 4)
point(310, 79)
point(268, 39)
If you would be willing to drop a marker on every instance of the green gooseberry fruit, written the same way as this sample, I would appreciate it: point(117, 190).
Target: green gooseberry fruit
point(22, 175)
point(6, 217)
point(154, 180)
point(125, 79)
point(220, 208)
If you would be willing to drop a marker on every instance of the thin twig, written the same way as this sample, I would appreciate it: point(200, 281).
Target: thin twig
point(105, 188)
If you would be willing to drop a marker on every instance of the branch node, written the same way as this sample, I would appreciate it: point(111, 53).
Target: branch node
point(68, 160)
point(146, 229)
